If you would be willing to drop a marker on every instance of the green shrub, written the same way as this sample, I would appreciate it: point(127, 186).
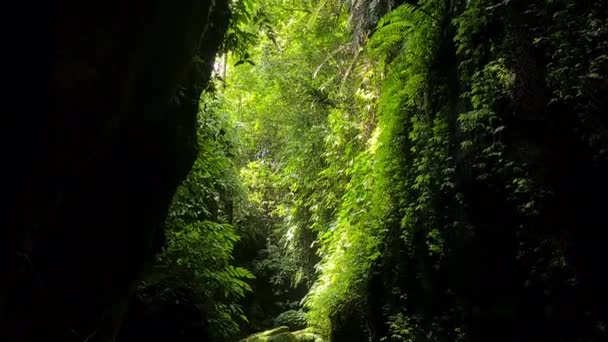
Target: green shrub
point(294, 319)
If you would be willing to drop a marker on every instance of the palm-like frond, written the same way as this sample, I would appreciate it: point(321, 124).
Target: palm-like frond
point(364, 14)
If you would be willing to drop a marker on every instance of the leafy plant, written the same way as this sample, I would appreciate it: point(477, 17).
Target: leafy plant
point(294, 319)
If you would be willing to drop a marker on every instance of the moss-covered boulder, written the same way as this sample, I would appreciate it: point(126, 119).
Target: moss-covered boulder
point(275, 331)
point(282, 334)
point(306, 335)
point(282, 337)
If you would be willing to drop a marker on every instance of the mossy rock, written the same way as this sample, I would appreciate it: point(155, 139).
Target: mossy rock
point(282, 337)
point(275, 331)
point(280, 334)
point(307, 335)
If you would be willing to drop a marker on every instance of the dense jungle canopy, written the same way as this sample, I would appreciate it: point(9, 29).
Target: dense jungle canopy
point(314, 170)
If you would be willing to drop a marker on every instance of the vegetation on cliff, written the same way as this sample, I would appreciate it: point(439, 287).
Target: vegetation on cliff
point(362, 170)
point(409, 171)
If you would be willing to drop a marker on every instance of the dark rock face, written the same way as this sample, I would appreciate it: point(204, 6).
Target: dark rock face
point(174, 318)
point(105, 144)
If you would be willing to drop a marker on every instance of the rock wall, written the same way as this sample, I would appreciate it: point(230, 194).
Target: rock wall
point(103, 142)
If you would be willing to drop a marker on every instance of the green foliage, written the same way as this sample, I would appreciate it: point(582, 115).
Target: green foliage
point(294, 319)
point(377, 184)
point(200, 256)
point(283, 104)
point(199, 231)
point(400, 329)
point(364, 14)
point(249, 21)
point(576, 46)
point(350, 247)
point(378, 169)
point(389, 38)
